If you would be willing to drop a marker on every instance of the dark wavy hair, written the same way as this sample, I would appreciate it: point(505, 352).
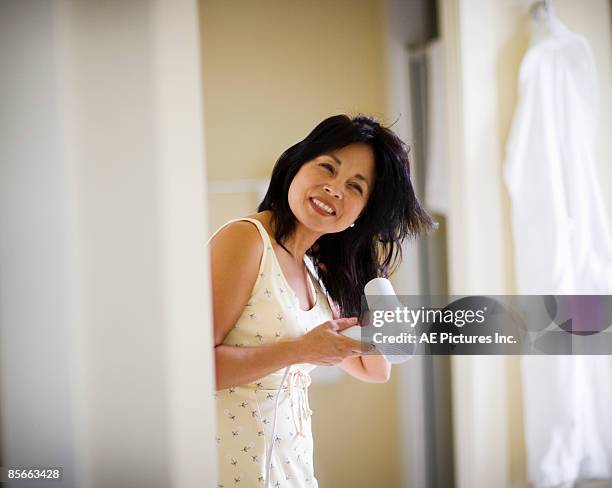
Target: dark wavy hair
point(372, 247)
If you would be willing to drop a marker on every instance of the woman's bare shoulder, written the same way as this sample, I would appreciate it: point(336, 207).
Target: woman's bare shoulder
point(235, 252)
point(240, 235)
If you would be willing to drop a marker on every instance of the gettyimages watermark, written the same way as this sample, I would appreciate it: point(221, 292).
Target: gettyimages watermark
point(488, 324)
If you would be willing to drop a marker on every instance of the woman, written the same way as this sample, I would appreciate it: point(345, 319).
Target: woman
point(342, 202)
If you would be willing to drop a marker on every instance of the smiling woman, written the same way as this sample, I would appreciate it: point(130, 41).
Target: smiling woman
point(340, 201)
point(332, 189)
point(361, 167)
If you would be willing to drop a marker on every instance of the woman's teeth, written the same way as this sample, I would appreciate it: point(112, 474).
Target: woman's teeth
point(320, 204)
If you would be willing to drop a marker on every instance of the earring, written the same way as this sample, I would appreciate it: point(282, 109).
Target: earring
point(352, 225)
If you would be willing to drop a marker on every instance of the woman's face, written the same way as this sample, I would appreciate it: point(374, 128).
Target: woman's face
point(329, 192)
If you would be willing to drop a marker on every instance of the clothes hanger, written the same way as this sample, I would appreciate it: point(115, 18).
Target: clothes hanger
point(541, 10)
point(545, 22)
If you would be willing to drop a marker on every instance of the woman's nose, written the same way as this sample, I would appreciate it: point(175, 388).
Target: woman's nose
point(328, 189)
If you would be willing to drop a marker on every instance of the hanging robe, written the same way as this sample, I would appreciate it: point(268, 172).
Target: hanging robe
point(562, 245)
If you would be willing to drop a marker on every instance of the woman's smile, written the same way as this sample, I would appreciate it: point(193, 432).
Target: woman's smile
point(321, 207)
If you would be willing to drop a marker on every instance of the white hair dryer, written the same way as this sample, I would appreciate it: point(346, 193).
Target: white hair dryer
point(380, 294)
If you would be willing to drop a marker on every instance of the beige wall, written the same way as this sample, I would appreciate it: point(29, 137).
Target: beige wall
point(272, 71)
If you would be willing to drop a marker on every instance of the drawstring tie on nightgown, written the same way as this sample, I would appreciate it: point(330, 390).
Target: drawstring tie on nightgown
point(298, 382)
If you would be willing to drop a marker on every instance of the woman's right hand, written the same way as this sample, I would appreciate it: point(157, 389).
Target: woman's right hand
point(325, 346)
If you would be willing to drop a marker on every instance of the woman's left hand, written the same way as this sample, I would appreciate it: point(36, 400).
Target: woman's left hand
point(372, 368)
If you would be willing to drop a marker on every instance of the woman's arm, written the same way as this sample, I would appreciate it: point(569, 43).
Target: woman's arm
point(369, 368)
point(236, 252)
point(240, 365)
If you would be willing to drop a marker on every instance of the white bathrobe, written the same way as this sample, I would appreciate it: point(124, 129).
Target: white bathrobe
point(563, 245)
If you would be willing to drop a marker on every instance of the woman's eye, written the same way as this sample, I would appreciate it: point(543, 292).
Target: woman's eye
point(358, 188)
point(328, 167)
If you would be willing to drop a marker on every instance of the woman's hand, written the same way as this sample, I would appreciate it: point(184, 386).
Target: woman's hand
point(325, 346)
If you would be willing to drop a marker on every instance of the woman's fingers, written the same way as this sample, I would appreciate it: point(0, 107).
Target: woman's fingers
point(345, 323)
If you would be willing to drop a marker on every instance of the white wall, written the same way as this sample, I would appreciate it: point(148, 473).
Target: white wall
point(37, 323)
point(485, 42)
point(404, 25)
point(106, 333)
